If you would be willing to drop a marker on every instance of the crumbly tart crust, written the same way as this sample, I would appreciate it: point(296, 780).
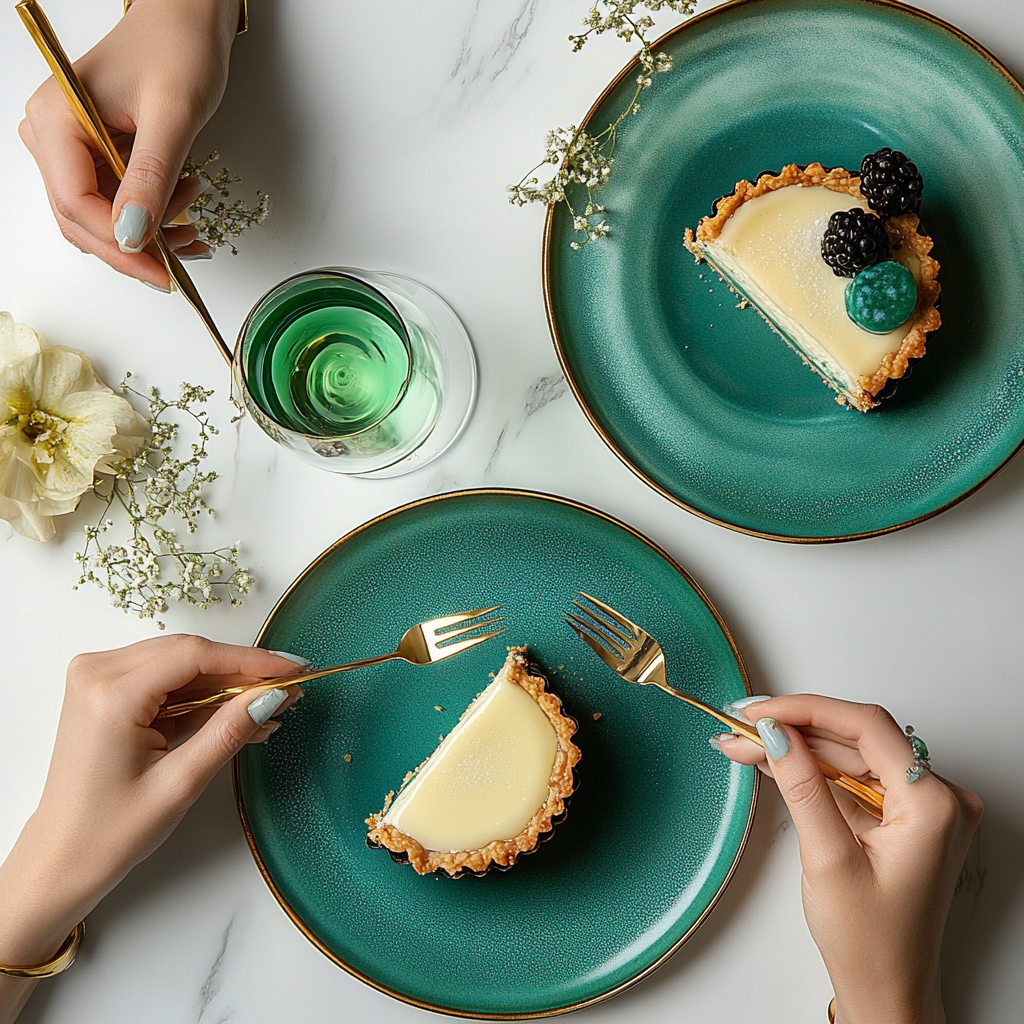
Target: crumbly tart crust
point(502, 853)
point(903, 230)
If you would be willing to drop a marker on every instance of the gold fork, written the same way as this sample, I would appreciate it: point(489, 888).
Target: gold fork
point(639, 658)
point(423, 644)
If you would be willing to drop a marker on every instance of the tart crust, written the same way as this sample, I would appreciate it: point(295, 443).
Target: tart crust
point(501, 853)
point(903, 230)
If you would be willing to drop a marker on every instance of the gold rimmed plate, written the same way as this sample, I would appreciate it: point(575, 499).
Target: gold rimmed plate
point(699, 397)
point(652, 835)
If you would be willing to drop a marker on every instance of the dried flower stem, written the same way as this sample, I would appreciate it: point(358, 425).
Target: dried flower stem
point(584, 159)
point(220, 220)
point(149, 487)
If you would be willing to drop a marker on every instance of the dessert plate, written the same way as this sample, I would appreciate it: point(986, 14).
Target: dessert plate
point(700, 398)
point(651, 838)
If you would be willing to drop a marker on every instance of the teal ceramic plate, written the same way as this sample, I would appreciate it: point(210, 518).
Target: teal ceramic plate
point(700, 398)
point(652, 835)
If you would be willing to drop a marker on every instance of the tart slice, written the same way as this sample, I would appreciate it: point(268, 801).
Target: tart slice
point(496, 785)
point(844, 277)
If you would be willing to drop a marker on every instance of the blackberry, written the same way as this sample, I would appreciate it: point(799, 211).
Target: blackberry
point(890, 183)
point(853, 241)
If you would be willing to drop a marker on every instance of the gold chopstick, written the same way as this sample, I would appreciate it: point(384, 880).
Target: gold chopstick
point(85, 110)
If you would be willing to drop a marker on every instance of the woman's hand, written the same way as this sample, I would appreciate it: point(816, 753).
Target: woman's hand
point(876, 896)
point(119, 782)
point(156, 79)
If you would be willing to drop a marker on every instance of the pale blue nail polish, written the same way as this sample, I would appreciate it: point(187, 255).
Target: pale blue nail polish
point(297, 658)
point(735, 707)
point(157, 288)
point(266, 704)
point(773, 736)
point(199, 256)
point(715, 742)
point(131, 227)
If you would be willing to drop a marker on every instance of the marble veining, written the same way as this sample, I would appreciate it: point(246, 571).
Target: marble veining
point(211, 986)
point(544, 391)
point(482, 57)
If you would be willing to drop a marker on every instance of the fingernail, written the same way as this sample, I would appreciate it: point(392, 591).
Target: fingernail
point(297, 658)
point(184, 219)
point(735, 707)
point(208, 255)
point(157, 288)
point(131, 227)
point(716, 741)
point(266, 704)
point(773, 737)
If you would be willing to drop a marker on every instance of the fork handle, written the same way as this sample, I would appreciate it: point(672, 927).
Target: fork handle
point(865, 795)
point(215, 700)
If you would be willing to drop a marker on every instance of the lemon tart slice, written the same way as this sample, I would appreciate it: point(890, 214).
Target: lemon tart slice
point(768, 240)
point(494, 787)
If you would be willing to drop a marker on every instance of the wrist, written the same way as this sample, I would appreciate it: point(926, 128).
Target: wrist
point(42, 897)
point(868, 1002)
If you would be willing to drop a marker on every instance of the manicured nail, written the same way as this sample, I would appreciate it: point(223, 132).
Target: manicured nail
point(266, 704)
point(773, 737)
point(716, 741)
point(131, 227)
point(157, 288)
point(297, 658)
point(208, 255)
point(735, 707)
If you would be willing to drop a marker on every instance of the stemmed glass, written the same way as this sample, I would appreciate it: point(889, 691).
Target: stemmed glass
point(357, 372)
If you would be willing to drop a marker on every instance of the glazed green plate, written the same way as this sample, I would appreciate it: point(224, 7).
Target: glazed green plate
point(701, 398)
point(652, 834)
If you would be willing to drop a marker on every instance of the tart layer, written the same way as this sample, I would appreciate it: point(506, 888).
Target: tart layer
point(765, 240)
point(493, 787)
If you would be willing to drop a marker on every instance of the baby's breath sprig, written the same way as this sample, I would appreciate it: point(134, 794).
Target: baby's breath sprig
point(584, 159)
point(150, 487)
point(219, 220)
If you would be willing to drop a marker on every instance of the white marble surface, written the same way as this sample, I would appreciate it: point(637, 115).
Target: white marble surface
point(385, 133)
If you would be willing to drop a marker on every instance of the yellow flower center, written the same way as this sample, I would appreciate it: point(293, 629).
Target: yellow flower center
point(45, 431)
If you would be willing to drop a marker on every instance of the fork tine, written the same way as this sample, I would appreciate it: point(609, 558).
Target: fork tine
point(616, 616)
point(602, 652)
point(453, 620)
point(463, 645)
point(452, 634)
point(609, 643)
point(608, 627)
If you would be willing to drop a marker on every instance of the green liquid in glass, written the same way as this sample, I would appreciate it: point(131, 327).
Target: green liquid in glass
point(328, 359)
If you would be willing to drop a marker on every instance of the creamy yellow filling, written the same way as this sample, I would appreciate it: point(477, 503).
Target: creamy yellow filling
point(771, 247)
point(487, 778)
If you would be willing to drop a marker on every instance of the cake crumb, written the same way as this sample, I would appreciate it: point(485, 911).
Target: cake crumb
point(437, 707)
point(560, 667)
point(597, 715)
point(742, 304)
point(490, 675)
point(440, 737)
point(348, 757)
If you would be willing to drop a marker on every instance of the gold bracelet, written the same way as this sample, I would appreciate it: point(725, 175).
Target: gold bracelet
point(61, 962)
point(243, 14)
point(832, 1011)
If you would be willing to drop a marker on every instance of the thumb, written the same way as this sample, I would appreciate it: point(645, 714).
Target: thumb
point(240, 721)
point(158, 154)
point(825, 838)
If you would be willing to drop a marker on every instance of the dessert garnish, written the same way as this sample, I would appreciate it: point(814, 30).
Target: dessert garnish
point(890, 183)
point(791, 242)
point(494, 787)
point(881, 298)
point(853, 241)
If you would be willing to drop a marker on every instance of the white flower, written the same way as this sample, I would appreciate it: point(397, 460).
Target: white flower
point(59, 426)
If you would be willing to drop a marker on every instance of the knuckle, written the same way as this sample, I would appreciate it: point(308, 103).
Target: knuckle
point(65, 209)
point(149, 169)
point(231, 737)
point(946, 812)
point(877, 715)
point(804, 791)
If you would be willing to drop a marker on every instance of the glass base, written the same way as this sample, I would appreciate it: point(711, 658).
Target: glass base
point(459, 390)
